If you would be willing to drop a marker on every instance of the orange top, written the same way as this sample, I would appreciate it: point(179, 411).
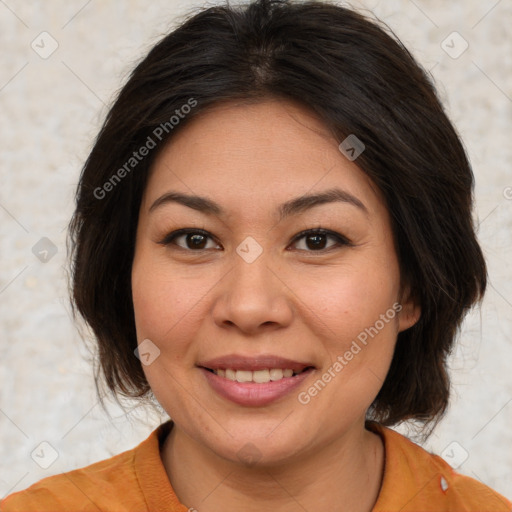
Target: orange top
point(135, 480)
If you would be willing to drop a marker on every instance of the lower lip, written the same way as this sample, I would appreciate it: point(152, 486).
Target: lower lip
point(252, 393)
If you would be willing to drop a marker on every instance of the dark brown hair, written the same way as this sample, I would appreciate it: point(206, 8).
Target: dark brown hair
point(356, 76)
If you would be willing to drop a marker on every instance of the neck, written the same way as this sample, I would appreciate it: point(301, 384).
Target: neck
point(343, 475)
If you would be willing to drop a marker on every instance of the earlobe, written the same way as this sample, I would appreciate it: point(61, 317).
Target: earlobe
point(410, 312)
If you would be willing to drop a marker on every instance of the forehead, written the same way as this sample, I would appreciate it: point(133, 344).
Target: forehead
point(256, 154)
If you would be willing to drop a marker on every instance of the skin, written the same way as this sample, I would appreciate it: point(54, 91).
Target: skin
point(294, 301)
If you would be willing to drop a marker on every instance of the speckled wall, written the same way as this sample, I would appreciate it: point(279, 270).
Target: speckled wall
point(62, 63)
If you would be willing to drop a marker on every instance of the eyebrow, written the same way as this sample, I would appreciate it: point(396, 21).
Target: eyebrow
point(292, 207)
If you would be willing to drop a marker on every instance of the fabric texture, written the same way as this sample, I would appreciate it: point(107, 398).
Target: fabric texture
point(136, 481)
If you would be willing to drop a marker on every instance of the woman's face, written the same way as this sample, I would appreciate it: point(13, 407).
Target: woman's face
point(251, 289)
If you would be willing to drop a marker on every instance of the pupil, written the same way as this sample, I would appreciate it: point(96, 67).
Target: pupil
point(197, 240)
point(316, 244)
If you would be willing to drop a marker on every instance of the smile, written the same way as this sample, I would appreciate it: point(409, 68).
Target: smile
point(245, 390)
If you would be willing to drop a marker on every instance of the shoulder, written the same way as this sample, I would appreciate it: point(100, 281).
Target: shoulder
point(80, 489)
point(415, 479)
point(110, 484)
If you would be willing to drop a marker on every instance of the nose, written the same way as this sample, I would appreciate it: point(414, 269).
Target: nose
point(252, 297)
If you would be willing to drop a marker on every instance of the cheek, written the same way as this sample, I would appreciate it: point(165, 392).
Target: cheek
point(151, 301)
point(344, 302)
point(165, 299)
point(355, 313)
point(164, 313)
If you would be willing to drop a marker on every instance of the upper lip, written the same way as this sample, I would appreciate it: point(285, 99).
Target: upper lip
point(253, 363)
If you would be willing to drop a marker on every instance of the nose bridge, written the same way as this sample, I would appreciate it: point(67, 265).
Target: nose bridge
point(252, 294)
point(252, 276)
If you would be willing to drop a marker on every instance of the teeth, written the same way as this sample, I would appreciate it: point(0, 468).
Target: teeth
point(276, 374)
point(243, 376)
point(259, 376)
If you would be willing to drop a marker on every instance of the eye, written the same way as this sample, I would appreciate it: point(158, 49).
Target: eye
point(316, 239)
point(194, 239)
point(197, 239)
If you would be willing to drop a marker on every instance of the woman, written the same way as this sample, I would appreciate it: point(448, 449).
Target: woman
point(273, 236)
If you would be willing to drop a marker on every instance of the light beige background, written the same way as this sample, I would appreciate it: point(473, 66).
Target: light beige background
point(52, 108)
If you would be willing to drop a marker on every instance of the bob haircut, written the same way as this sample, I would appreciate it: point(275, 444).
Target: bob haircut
point(357, 77)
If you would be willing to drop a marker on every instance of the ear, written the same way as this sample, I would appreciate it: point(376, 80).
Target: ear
point(410, 312)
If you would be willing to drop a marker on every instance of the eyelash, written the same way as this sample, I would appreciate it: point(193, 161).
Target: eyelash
point(340, 239)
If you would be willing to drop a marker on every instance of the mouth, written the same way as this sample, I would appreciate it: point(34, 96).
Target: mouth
point(254, 381)
point(262, 368)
